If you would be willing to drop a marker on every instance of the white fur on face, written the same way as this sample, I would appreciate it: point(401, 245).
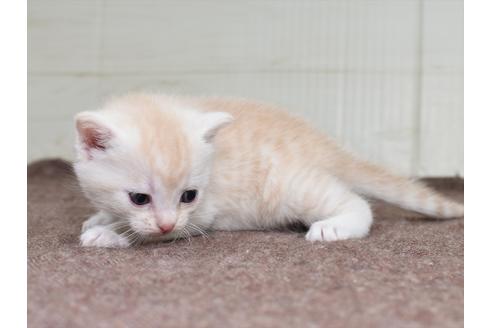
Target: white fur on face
point(108, 175)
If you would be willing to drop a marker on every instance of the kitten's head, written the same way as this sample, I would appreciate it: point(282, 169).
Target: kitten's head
point(147, 160)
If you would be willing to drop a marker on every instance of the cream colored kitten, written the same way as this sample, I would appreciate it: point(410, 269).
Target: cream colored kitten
point(161, 167)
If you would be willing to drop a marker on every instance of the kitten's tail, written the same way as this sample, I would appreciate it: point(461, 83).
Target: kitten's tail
point(374, 181)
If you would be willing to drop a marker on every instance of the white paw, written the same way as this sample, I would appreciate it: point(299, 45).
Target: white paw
point(100, 236)
point(332, 231)
point(89, 223)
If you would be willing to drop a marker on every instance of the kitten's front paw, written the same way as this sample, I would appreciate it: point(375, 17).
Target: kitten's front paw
point(99, 218)
point(100, 236)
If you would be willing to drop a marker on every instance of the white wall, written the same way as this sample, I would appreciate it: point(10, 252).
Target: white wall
point(385, 77)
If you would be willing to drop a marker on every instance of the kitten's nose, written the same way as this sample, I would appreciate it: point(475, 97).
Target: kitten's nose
point(165, 228)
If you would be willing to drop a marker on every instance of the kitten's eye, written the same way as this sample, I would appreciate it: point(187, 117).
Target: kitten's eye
point(188, 196)
point(139, 199)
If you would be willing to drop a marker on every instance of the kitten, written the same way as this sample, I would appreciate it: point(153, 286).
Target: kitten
point(159, 168)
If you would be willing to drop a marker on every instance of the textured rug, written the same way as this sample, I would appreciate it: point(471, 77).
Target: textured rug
point(407, 273)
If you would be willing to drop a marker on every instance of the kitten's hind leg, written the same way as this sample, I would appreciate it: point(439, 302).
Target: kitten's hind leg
point(354, 221)
point(341, 214)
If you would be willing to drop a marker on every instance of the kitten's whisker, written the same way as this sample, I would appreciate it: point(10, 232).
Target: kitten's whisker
point(134, 238)
point(131, 235)
point(198, 229)
point(188, 234)
point(126, 232)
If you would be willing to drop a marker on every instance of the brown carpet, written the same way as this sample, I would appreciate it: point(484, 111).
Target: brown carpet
point(407, 273)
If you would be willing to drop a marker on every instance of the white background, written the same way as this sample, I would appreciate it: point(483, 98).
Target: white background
point(384, 77)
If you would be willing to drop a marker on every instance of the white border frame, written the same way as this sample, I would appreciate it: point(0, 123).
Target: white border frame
point(478, 164)
point(13, 83)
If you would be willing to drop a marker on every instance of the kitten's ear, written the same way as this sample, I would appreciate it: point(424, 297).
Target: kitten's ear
point(212, 122)
point(92, 133)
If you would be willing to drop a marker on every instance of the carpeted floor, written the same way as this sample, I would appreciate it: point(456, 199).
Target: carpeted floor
point(407, 273)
